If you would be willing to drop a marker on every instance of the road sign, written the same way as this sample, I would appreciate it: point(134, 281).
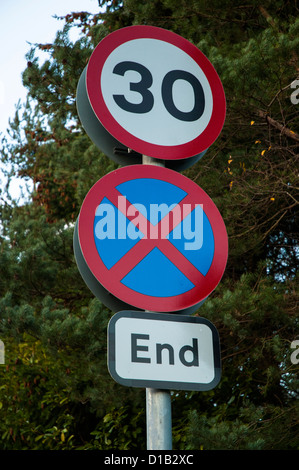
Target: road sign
point(163, 351)
point(152, 238)
point(111, 147)
point(154, 92)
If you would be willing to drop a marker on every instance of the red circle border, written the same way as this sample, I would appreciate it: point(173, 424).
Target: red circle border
point(119, 290)
point(93, 86)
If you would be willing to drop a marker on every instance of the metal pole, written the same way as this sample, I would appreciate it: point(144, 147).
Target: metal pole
point(158, 402)
point(158, 419)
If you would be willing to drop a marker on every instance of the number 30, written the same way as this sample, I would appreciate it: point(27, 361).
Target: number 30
point(147, 103)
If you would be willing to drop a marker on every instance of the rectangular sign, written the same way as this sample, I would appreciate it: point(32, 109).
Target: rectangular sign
point(165, 351)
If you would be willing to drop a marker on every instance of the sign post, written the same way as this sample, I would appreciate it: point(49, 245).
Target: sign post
point(158, 402)
point(158, 419)
point(149, 238)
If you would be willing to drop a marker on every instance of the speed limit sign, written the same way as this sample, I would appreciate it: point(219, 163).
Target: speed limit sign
point(153, 92)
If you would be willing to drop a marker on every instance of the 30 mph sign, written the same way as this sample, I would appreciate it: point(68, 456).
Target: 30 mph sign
point(155, 92)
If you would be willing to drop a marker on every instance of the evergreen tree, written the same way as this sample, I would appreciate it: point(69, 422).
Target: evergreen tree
point(55, 391)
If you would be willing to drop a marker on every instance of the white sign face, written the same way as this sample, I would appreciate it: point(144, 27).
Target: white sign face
point(163, 351)
point(172, 99)
point(155, 92)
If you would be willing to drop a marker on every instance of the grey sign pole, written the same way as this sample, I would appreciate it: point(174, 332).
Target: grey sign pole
point(158, 419)
point(158, 402)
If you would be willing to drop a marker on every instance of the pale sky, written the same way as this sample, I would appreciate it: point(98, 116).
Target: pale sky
point(23, 21)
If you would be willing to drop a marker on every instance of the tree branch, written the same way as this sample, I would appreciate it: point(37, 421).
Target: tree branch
point(284, 130)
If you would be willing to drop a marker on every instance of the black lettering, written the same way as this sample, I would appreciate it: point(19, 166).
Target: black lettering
point(167, 95)
point(135, 348)
point(140, 87)
point(159, 348)
point(194, 350)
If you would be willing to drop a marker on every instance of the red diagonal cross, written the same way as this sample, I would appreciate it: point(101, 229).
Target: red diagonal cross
point(145, 245)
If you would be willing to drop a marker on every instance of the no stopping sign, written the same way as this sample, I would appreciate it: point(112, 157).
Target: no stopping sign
point(150, 238)
point(155, 92)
